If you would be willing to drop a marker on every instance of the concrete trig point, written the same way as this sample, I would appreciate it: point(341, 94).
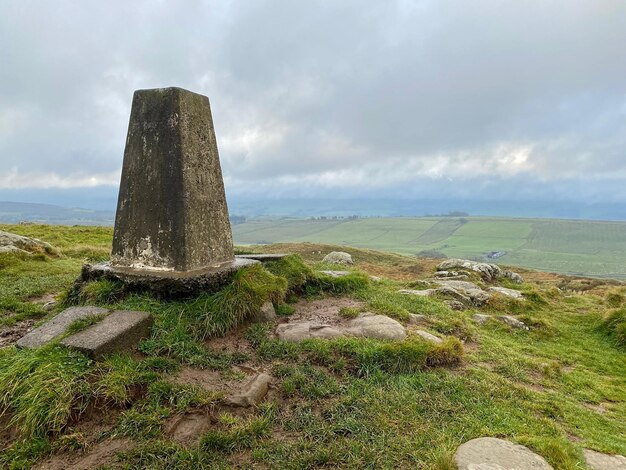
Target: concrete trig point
point(172, 231)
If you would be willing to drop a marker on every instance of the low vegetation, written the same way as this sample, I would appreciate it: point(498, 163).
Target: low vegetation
point(557, 387)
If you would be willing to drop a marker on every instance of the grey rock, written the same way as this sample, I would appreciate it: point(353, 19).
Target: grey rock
point(480, 318)
point(49, 306)
point(13, 243)
point(455, 304)
point(253, 392)
point(464, 291)
point(299, 331)
point(265, 257)
point(118, 331)
point(488, 453)
point(419, 293)
point(489, 272)
point(429, 337)
point(266, 313)
point(513, 277)
point(171, 212)
point(417, 319)
point(338, 257)
point(512, 293)
point(597, 461)
point(57, 326)
point(335, 274)
point(376, 326)
point(455, 294)
point(512, 322)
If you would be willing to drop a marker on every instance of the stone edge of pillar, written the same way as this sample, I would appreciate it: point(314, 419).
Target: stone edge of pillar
point(167, 282)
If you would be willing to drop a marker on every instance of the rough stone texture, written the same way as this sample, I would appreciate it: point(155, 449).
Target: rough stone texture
point(512, 322)
point(167, 282)
point(480, 318)
point(264, 258)
point(298, 331)
point(463, 291)
point(489, 272)
point(118, 331)
point(55, 327)
point(417, 319)
point(253, 392)
point(455, 305)
point(514, 294)
point(12, 243)
point(597, 461)
point(267, 313)
point(171, 211)
point(513, 277)
point(376, 326)
point(420, 293)
point(365, 325)
point(488, 453)
point(338, 257)
point(429, 337)
point(335, 273)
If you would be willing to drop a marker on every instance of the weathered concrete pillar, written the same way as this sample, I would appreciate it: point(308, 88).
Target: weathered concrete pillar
point(171, 212)
point(172, 232)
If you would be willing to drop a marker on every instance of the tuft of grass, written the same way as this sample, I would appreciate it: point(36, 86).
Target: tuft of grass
point(43, 388)
point(349, 312)
point(615, 298)
point(103, 291)
point(145, 420)
point(82, 323)
point(306, 381)
point(236, 437)
point(615, 326)
point(294, 270)
point(325, 284)
point(181, 397)
point(284, 310)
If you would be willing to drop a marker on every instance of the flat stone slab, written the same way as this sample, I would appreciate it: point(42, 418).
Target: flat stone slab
point(118, 331)
point(263, 257)
point(597, 461)
point(299, 331)
point(54, 328)
point(488, 453)
point(512, 293)
point(253, 391)
point(419, 293)
point(168, 282)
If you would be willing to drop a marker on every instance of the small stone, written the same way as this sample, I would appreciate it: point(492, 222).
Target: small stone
point(118, 331)
point(49, 306)
point(417, 319)
point(480, 318)
point(55, 327)
point(376, 278)
point(267, 313)
point(597, 461)
point(455, 305)
point(512, 293)
point(488, 453)
point(335, 274)
point(376, 326)
point(429, 337)
point(253, 392)
point(420, 293)
point(516, 278)
point(512, 322)
point(299, 331)
point(338, 257)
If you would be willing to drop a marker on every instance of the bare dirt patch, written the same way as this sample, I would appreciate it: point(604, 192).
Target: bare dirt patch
point(10, 334)
point(96, 456)
point(323, 310)
point(188, 428)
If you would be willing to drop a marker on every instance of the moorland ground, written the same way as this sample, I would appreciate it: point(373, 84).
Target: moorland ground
point(592, 248)
point(558, 387)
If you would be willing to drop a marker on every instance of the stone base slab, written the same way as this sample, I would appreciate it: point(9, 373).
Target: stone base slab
point(167, 282)
point(263, 257)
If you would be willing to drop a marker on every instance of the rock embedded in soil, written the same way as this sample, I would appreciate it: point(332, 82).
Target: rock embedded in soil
point(376, 326)
point(512, 293)
point(488, 453)
point(455, 305)
point(118, 331)
point(335, 274)
point(188, 428)
point(338, 257)
point(463, 291)
point(252, 393)
point(489, 272)
point(13, 243)
point(429, 337)
point(417, 319)
point(598, 461)
point(299, 331)
point(480, 318)
point(57, 326)
point(266, 313)
point(419, 293)
point(512, 322)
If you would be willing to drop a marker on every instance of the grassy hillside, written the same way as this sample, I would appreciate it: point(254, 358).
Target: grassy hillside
point(571, 247)
point(558, 387)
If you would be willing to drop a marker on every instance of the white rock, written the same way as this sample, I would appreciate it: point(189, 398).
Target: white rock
point(338, 257)
point(299, 331)
point(12, 243)
point(489, 272)
point(514, 294)
point(480, 318)
point(488, 453)
point(597, 461)
point(420, 293)
point(335, 273)
point(512, 322)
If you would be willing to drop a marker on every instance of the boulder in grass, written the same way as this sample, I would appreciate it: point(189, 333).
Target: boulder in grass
point(13, 243)
point(489, 453)
point(338, 257)
point(598, 461)
point(376, 326)
point(513, 322)
point(252, 393)
point(512, 293)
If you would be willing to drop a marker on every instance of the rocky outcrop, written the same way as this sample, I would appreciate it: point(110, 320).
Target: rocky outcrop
point(488, 453)
point(338, 257)
point(12, 243)
point(512, 293)
point(512, 322)
point(489, 272)
point(463, 292)
point(597, 461)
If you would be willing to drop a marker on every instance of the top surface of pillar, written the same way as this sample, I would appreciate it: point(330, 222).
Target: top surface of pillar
point(171, 210)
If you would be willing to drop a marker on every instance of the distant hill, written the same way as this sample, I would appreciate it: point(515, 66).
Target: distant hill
point(16, 212)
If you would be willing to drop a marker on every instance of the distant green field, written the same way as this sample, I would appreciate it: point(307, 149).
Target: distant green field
point(565, 246)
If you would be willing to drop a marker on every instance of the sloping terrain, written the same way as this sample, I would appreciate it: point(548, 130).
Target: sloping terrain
point(556, 385)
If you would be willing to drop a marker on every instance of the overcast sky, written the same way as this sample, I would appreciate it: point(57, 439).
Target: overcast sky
point(329, 98)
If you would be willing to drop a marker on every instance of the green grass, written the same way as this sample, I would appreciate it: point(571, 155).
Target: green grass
point(349, 403)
